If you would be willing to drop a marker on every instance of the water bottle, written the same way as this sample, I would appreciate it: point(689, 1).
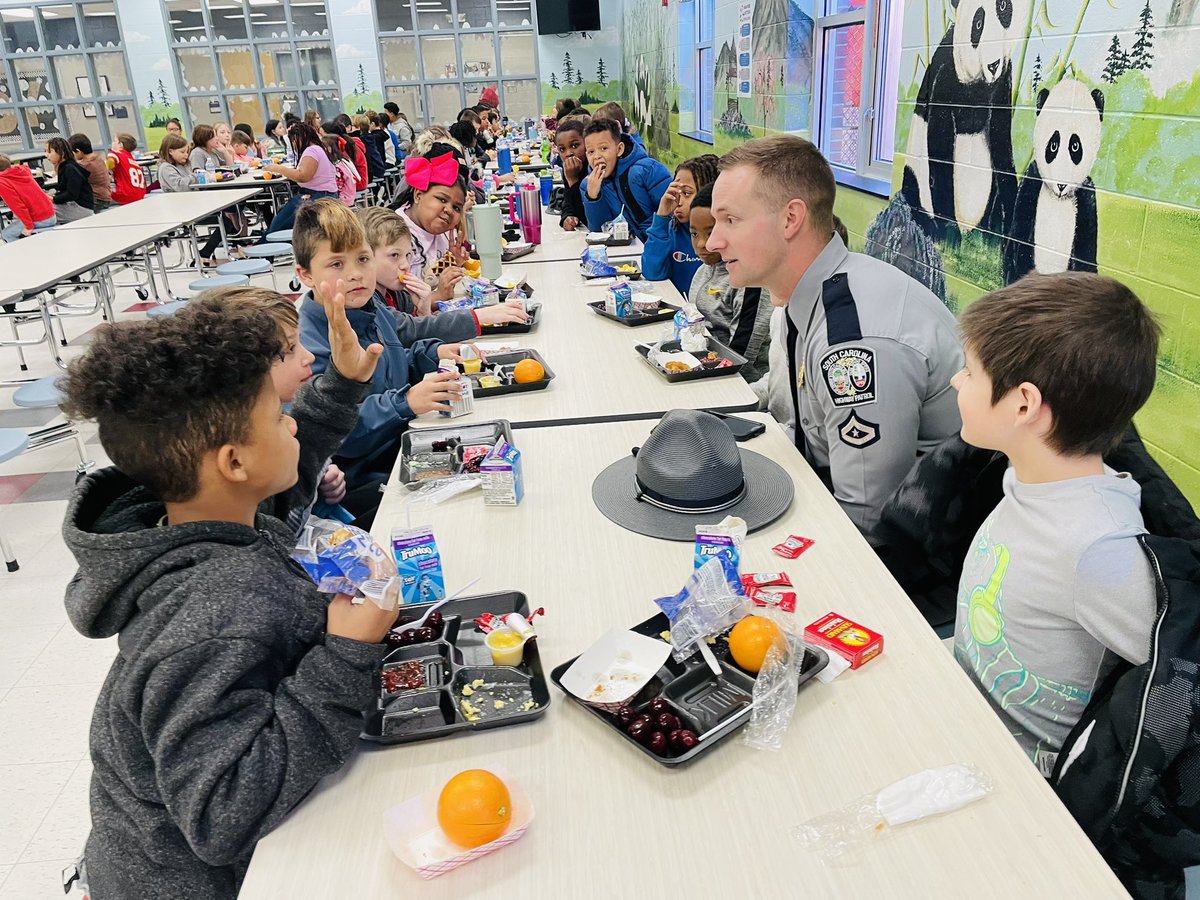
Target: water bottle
point(210, 168)
point(489, 183)
point(504, 158)
point(201, 176)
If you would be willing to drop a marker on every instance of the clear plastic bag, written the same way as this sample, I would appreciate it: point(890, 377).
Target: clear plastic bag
point(930, 792)
point(711, 602)
point(775, 691)
point(594, 262)
point(689, 330)
point(443, 489)
point(341, 558)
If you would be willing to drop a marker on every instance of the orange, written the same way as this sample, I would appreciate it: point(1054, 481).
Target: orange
point(474, 808)
point(527, 371)
point(750, 640)
point(267, 176)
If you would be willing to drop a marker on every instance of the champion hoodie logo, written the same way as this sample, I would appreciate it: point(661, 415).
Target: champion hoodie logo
point(680, 257)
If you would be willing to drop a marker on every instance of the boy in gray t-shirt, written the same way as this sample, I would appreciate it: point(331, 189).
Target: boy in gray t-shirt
point(1055, 582)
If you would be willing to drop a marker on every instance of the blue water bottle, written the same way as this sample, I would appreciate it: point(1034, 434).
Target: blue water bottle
point(547, 185)
point(504, 159)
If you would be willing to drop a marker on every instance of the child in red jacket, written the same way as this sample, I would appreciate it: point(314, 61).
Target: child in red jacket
point(128, 176)
point(31, 206)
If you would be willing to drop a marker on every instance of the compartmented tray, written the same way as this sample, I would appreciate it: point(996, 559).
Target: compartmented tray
point(633, 275)
point(609, 242)
point(508, 255)
point(441, 674)
point(704, 372)
point(419, 443)
point(506, 362)
point(535, 313)
point(712, 706)
point(664, 313)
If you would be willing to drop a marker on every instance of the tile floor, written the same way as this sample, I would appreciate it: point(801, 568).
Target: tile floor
point(49, 674)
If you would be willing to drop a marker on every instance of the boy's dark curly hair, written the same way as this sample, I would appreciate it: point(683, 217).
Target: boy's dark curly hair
point(167, 391)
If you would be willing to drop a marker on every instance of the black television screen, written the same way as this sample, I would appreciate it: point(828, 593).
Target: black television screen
point(562, 16)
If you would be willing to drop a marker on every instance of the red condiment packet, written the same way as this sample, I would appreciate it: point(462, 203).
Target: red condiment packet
point(762, 579)
point(793, 546)
point(784, 600)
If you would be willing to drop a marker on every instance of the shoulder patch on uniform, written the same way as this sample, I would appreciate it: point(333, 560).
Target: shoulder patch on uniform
point(858, 433)
point(849, 375)
point(841, 314)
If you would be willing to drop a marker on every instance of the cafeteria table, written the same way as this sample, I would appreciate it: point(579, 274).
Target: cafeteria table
point(612, 822)
point(598, 375)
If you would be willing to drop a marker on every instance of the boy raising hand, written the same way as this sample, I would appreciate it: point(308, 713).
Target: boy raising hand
point(238, 685)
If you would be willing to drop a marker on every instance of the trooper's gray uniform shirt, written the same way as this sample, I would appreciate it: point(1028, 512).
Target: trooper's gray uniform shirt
point(870, 357)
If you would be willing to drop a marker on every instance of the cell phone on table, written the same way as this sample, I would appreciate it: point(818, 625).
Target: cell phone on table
point(743, 429)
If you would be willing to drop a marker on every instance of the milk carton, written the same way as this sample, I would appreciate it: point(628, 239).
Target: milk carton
point(418, 565)
point(465, 404)
point(501, 471)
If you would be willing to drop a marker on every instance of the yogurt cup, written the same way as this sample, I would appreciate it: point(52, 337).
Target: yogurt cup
point(506, 646)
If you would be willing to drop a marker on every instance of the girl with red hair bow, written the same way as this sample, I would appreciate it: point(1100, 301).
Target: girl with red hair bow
point(432, 204)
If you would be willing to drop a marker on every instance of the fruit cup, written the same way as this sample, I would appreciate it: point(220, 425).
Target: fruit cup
point(506, 646)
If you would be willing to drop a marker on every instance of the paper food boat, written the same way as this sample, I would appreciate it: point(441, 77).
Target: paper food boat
point(411, 830)
point(611, 671)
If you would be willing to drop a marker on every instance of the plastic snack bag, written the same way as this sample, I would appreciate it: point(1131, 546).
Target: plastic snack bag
point(927, 793)
point(711, 602)
point(341, 558)
point(594, 262)
point(775, 691)
point(689, 329)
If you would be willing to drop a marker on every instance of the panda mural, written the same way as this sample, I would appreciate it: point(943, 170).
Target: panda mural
point(959, 162)
point(1054, 227)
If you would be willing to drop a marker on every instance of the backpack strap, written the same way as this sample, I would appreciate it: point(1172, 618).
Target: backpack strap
point(631, 204)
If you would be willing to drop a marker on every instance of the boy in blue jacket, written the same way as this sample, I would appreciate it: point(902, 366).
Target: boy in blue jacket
point(622, 178)
point(669, 252)
point(330, 246)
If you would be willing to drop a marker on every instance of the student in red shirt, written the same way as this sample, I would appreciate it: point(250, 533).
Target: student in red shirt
point(31, 207)
point(128, 176)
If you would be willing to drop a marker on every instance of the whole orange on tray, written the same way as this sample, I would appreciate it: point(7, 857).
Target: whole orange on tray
point(750, 640)
point(528, 371)
point(474, 808)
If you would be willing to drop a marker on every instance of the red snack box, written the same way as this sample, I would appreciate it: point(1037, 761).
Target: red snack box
point(792, 546)
point(848, 639)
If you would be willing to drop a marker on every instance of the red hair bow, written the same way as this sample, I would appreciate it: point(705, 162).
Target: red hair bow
point(420, 172)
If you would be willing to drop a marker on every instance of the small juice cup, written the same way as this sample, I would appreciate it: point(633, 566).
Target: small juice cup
point(506, 646)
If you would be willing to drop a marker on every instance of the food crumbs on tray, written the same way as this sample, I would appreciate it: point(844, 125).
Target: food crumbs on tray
point(499, 704)
point(478, 682)
point(467, 690)
point(528, 705)
point(665, 635)
point(710, 640)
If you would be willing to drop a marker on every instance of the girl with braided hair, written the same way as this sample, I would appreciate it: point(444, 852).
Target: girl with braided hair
point(668, 253)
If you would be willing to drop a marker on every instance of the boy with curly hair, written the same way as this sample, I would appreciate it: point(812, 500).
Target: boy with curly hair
point(238, 686)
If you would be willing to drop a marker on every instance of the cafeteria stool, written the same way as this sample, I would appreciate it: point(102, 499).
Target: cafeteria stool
point(44, 394)
point(250, 267)
point(279, 237)
point(217, 281)
point(166, 309)
point(13, 442)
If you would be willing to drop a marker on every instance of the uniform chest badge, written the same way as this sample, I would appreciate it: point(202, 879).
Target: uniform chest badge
point(849, 374)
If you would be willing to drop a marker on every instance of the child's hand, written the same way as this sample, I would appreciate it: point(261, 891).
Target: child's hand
point(347, 355)
point(671, 199)
point(501, 314)
point(595, 180)
point(365, 621)
point(572, 169)
point(436, 391)
point(333, 485)
point(570, 223)
point(454, 351)
point(458, 240)
point(447, 280)
point(420, 292)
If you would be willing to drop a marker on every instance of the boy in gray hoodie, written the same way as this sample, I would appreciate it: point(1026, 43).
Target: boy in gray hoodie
point(740, 318)
point(237, 685)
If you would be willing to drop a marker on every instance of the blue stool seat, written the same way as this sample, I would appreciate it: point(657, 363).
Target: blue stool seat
point(245, 267)
point(40, 394)
point(166, 309)
point(13, 442)
point(280, 237)
point(216, 281)
point(267, 251)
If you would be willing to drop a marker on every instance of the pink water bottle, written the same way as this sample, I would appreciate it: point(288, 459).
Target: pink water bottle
point(531, 213)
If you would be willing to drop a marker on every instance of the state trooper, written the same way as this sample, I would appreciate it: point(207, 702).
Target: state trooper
point(869, 351)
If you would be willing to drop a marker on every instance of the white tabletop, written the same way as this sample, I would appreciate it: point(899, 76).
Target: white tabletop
point(612, 823)
point(165, 209)
point(597, 372)
point(241, 181)
point(43, 260)
point(560, 246)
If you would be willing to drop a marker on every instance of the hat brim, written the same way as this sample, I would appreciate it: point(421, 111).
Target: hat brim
point(769, 494)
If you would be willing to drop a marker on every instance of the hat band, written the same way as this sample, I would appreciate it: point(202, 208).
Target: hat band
point(712, 504)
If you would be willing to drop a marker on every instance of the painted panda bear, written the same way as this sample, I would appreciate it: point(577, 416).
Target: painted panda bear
point(1054, 226)
point(959, 165)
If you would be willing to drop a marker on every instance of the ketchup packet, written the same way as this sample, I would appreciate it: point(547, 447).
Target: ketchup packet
point(793, 546)
point(763, 579)
point(784, 600)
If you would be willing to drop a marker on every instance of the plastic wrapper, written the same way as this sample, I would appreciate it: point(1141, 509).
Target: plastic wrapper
point(516, 295)
point(710, 603)
point(775, 691)
point(930, 792)
point(689, 330)
point(341, 558)
point(594, 262)
point(444, 488)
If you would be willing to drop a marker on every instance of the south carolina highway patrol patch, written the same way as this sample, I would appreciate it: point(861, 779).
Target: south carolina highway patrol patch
point(849, 374)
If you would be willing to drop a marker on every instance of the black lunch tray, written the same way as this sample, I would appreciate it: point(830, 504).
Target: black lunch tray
point(673, 346)
point(507, 361)
point(417, 441)
point(535, 313)
point(702, 701)
point(635, 275)
point(664, 313)
point(458, 658)
point(611, 243)
point(507, 255)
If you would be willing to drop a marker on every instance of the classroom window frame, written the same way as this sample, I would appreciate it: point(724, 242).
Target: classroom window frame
point(469, 85)
point(699, 45)
point(103, 104)
point(880, 20)
point(266, 94)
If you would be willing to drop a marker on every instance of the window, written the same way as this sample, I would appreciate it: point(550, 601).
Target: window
point(858, 56)
point(697, 73)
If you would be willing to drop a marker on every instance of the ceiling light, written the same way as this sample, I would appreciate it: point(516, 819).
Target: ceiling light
point(17, 14)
